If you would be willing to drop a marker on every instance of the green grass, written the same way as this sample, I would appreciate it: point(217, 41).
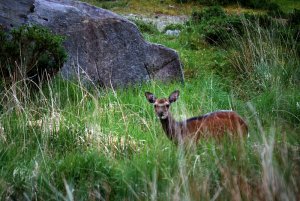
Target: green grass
point(288, 5)
point(109, 144)
point(107, 4)
point(67, 142)
point(171, 7)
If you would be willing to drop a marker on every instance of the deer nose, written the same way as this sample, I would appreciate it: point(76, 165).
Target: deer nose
point(160, 114)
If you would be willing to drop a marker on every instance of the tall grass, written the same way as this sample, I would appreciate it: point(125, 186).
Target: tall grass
point(77, 144)
point(266, 64)
point(67, 142)
point(266, 57)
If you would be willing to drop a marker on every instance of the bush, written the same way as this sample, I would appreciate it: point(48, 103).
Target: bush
point(208, 13)
point(256, 4)
point(212, 25)
point(145, 27)
point(294, 23)
point(294, 18)
point(209, 2)
point(30, 52)
point(275, 10)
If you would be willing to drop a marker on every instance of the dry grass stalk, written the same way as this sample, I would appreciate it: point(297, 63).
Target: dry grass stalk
point(50, 123)
point(111, 143)
point(2, 134)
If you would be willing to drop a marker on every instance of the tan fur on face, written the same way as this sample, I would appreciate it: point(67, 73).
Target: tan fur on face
point(162, 108)
point(162, 102)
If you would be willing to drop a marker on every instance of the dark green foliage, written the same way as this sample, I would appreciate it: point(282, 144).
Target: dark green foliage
point(108, 4)
point(256, 4)
point(294, 18)
point(30, 52)
point(216, 2)
point(146, 27)
point(213, 25)
point(264, 21)
point(182, 1)
point(204, 2)
point(275, 10)
point(294, 23)
point(208, 13)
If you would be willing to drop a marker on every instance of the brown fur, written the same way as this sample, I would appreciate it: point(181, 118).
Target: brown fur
point(214, 124)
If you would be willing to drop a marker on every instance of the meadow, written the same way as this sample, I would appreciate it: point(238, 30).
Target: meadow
point(67, 141)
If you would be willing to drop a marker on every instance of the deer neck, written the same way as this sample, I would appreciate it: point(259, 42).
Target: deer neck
point(172, 128)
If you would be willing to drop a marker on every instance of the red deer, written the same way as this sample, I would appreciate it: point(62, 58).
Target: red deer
point(214, 124)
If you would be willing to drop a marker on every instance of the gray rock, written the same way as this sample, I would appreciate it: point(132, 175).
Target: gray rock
point(14, 13)
point(173, 32)
point(103, 47)
point(160, 21)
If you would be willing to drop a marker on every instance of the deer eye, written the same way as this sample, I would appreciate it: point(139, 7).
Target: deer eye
point(155, 106)
point(168, 106)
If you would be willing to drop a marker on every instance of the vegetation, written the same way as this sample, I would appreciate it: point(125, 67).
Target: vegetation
point(109, 4)
point(144, 27)
point(212, 25)
point(67, 142)
point(30, 53)
point(257, 4)
point(186, 7)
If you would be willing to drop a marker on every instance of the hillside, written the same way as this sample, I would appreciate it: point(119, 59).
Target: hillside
point(66, 141)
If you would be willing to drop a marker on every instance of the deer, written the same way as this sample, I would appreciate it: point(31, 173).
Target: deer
point(211, 125)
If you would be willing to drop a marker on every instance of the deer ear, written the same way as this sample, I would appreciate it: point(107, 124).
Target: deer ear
point(150, 97)
point(174, 96)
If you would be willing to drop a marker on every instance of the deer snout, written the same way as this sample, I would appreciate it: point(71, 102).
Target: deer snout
point(162, 114)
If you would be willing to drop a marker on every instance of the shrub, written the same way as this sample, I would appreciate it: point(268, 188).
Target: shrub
point(209, 2)
point(145, 27)
point(294, 18)
point(212, 25)
point(107, 4)
point(294, 23)
point(275, 10)
point(208, 13)
point(182, 1)
point(256, 4)
point(30, 52)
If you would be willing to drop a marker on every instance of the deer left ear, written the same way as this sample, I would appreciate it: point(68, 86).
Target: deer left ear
point(174, 96)
point(150, 97)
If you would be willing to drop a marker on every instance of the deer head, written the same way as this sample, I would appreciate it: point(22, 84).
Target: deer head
point(162, 105)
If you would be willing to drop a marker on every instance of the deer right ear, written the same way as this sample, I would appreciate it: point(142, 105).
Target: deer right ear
point(150, 97)
point(174, 96)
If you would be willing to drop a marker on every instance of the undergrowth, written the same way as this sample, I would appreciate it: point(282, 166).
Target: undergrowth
point(67, 142)
point(77, 144)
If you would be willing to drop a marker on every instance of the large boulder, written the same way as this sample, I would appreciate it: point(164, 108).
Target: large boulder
point(102, 47)
point(14, 13)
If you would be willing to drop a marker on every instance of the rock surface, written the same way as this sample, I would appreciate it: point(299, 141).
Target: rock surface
point(14, 13)
point(103, 47)
point(160, 21)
